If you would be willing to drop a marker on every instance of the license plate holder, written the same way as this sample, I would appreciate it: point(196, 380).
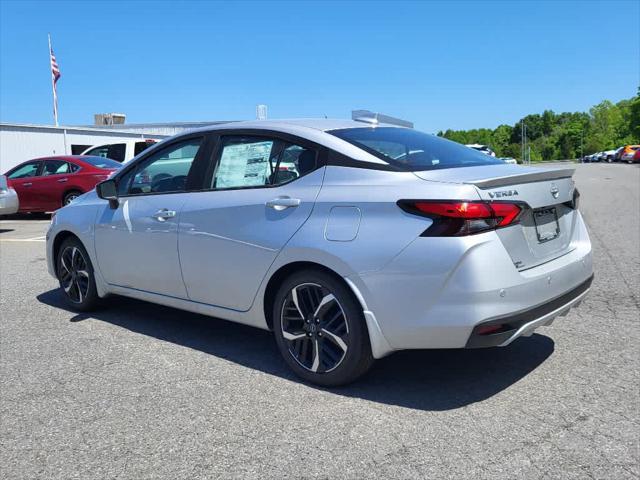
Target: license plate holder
point(547, 225)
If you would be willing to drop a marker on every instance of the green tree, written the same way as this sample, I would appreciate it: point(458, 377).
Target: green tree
point(554, 136)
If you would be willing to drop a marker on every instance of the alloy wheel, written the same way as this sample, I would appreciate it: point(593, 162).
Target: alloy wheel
point(74, 274)
point(315, 327)
point(70, 198)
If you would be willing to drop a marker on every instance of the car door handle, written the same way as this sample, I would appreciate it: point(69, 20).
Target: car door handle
point(62, 180)
point(27, 184)
point(283, 203)
point(164, 214)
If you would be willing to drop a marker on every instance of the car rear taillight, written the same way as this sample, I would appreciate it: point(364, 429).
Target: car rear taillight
point(458, 218)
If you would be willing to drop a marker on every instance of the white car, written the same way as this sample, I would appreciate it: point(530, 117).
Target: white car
point(120, 152)
point(350, 252)
point(482, 148)
point(609, 155)
point(509, 160)
point(9, 203)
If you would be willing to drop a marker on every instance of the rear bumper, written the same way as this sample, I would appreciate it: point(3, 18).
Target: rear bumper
point(437, 291)
point(525, 322)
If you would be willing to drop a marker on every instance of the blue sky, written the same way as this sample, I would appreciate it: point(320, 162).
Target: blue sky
point(440, 64)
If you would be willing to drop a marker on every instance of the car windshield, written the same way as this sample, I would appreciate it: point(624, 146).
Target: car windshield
point(411, 150)
point(101, 162)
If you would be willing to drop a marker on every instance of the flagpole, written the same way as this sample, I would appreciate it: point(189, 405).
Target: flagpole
point(53, 85)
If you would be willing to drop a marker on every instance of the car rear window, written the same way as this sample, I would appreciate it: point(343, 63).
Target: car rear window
point(412, 150)
point(101, 162)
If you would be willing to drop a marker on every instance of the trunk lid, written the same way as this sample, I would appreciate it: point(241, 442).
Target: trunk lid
point(547, 223)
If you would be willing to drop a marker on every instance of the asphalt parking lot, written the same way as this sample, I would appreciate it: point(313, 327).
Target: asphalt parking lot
point(141, 391)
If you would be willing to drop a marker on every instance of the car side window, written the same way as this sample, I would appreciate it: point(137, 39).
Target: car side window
point(256, 161)
point(117, 152)
point(163, 172)
point(141, 147)
point(102, 151)
point(25, 171)
point(293, 162)
point(55, 167)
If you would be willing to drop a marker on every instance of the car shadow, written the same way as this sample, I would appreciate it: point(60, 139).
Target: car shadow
point(418, 379)
point(26, 216)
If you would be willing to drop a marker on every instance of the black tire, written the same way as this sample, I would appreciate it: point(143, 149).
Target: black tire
point(315, 345)
point(76, 276)
point(69, 196)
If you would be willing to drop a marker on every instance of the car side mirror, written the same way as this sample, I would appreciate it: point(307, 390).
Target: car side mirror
point(108, 190)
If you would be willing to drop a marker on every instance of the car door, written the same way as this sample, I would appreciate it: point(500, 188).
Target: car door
point(258, 193)
point(21, 180)
point(137, 242)
point(49, 187)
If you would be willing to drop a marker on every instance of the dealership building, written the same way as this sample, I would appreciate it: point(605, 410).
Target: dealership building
point(21, 142)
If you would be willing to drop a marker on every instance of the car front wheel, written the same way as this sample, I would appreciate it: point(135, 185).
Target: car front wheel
point(75, 274)
point(320, 329)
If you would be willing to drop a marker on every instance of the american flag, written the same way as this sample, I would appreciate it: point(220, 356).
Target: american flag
point(55, 75)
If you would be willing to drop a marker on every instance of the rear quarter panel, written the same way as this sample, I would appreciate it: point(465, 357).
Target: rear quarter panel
point(384, 229)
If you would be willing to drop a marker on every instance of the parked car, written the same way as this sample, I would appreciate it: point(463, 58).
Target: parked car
point(618, 154)
point(482, 148)
point(636, 157)
point(46, 184)
point(356, 256)
point(610, 156)
point(628, 153)
point(9, 202)
point(509, 160)
point(120, 152)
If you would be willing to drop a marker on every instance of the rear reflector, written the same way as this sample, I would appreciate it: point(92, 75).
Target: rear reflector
point(488, 329)
point(455, 218)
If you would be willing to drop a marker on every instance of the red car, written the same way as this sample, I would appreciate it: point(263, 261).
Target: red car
point(46, 184)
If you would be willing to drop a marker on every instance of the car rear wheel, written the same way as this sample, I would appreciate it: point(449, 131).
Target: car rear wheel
point(70, 197)
point(75, 274)
point(320, 329)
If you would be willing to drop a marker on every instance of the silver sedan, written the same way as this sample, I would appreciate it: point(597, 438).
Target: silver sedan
point(348, 240)
point(9, 203)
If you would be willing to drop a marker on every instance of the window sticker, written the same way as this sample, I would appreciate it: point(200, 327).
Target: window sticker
point(244, 165)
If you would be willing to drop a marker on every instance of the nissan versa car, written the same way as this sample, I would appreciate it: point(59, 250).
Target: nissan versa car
point(348, 240)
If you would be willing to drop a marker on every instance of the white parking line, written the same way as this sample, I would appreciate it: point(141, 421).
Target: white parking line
point(35, 239)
